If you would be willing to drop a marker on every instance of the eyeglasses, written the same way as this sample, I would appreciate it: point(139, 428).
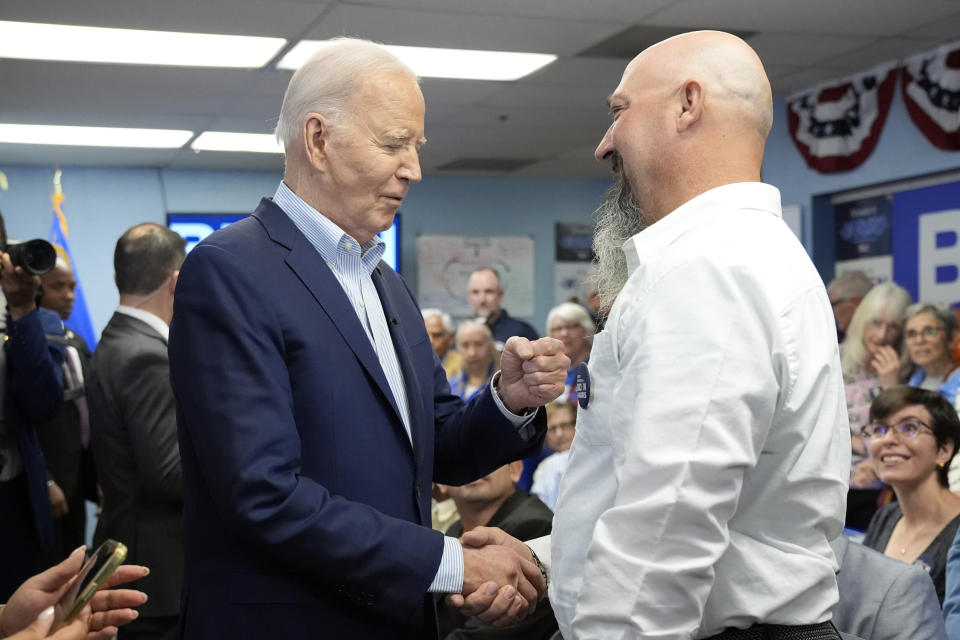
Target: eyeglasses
point(926, 332)
point(561, 426)
point(908, 428)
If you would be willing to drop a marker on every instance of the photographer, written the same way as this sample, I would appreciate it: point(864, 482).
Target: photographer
point(31, 390)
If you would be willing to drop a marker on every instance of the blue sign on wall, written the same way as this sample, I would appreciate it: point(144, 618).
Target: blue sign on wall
point(926, 250)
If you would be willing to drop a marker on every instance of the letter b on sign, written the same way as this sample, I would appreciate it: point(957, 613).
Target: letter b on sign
point(938, 249)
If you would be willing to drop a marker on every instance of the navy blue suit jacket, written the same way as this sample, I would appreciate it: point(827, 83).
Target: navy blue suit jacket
point(304, 501)
point(34, 394)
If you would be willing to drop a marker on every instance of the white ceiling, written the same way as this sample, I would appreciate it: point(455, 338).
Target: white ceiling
point(552, 118)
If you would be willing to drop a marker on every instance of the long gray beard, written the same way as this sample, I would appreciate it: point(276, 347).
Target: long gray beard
point(619, 218)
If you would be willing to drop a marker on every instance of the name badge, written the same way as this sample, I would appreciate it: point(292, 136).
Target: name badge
point(583, 385)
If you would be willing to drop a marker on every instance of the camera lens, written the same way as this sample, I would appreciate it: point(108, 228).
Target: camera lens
point(35, 256)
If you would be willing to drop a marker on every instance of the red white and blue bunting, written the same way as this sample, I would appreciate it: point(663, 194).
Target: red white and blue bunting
point(837, 126)
point(931, 92)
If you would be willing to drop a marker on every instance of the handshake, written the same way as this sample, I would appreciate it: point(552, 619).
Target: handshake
point(502, 581)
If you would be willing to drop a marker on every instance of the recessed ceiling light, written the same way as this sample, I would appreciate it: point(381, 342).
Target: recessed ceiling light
point(36, 41)
point(429, 62)
point(93, 136)
point(227, 141)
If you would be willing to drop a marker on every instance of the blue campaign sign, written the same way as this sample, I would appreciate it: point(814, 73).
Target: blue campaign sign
point(194, 227)
point(926, 251)
point(863, 228)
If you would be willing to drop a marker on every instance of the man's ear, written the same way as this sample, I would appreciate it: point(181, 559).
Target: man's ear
point(691, 108)
point(316, 138)
point(516, 470)
point(172, 283)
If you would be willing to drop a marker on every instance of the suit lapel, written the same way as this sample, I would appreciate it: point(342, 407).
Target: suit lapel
point(405, 357)
point(310, 268)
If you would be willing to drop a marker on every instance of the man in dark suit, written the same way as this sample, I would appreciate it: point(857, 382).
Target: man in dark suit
point(65, 439)
point(313, 412)
point(135, 436)
point(485, 292)
point(495, 500)
point(31, 390)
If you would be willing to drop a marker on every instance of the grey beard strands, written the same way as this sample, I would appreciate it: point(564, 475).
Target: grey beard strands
point(619, 218)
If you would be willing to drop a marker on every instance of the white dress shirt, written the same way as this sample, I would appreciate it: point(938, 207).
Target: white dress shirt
point(709, 471)
point(152, 320)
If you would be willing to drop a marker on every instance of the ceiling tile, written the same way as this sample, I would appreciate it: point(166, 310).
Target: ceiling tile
point(943, 30)
point(282, 18)
point(551, 97)
point(603, 73)
point(793, 48)
point(886, 50)
point(808, 78)
point(462, 30)
point(622, 11)
point(855, 17)
point(84, 156)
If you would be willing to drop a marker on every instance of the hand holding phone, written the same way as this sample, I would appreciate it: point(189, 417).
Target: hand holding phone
point(101, 565)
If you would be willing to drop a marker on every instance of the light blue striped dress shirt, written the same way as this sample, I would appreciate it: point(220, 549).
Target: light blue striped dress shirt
point(353, 265)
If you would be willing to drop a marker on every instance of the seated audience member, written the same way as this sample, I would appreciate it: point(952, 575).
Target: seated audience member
point(485, 293)
point(561, 426)
point(479, 355)
point(496, 501)
point(951, 600)
point(912, 437)
point(882, 599)
point(442, 336)
point(845, 293)
point(871, 362)
point(65, 439)
point(929, 331)
point(31, 391)
point(443, 510)
point(29, 612)
point(571, 324)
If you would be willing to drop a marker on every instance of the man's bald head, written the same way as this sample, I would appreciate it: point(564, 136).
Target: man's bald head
point(729, 69)
point(691, 113)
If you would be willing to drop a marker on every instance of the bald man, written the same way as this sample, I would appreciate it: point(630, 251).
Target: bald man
point(708, 473)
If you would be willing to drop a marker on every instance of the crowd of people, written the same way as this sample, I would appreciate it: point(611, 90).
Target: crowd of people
point(274, 437)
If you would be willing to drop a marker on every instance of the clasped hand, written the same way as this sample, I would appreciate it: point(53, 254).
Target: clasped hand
point(502, 584)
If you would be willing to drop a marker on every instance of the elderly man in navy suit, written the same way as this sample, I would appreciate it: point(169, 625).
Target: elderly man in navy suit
point(313, 413)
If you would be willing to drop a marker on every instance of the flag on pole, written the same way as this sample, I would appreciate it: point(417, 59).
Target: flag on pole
point(79, 321)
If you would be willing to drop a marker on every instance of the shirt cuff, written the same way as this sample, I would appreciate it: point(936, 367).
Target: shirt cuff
point(449, 578)
point(520, 422)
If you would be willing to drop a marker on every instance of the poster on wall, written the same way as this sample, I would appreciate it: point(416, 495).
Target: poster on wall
point(444, 264)
point(863, 237)
point(926, 246)
point(574, 255)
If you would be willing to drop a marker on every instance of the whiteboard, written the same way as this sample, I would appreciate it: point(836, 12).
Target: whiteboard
point(444, 265)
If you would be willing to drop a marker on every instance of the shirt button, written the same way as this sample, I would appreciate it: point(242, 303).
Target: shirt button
point(330, 264)
point(361, 304)
point(348, 246)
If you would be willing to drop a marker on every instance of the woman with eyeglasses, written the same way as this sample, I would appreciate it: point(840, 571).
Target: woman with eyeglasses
point(928, 334)
point(871, 361)
point(912, 437)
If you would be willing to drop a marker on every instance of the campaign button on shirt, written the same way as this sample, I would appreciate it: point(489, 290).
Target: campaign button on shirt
point(583, 385)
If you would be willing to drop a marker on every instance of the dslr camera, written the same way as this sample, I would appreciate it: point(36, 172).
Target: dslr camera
point(35, 256)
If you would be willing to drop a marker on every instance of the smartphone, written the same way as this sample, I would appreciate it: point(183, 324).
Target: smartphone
point(98, 568)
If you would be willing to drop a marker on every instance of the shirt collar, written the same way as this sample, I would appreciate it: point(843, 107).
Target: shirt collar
point(154, 321)
point(326, 236)
point(694, 212)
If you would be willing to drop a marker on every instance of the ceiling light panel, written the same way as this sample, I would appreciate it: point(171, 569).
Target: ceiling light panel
point(227, 141)
point(93, 136)
point(430, 62)
point(35, 41)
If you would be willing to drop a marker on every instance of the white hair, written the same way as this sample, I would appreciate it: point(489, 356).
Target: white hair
point(327, 82)
point(445, 318)
point(474, 324)
point(573, 312)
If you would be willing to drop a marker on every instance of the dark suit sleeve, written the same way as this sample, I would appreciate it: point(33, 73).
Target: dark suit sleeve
point(228, 367)
point(149, 404)
point(34, 366)
point(910, 608)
